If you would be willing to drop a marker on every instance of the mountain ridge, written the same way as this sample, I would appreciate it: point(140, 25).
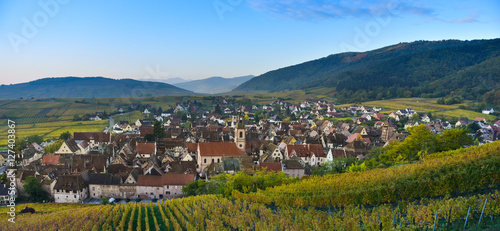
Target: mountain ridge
point(88, 87)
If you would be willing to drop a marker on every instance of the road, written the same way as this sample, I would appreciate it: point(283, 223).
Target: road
point(112, 121)
point(2, 169)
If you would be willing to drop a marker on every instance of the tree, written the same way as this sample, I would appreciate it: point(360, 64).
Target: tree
point(77, 118)
point(158, 130)
point(218, 110)
point(65, 136)
point(454, 139)
point(34, 189)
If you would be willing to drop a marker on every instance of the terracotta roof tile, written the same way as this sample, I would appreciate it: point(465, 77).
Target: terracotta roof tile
point(220, 149)
point(145, 148)
point(273, 166)
point(167, 179)
point(50, 160)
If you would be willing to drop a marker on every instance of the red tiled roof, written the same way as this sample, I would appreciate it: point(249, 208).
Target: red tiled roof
point(50, 160)
point(220, 149)
point(273, 166)
point(145, 148)
point(144, 130)
point(306, 150)
point(352, 138)
point(167, 179)
point(192, 147)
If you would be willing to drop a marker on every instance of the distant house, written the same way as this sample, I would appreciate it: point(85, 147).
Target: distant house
point(70, 189)
point(160, 187)
point(272, 166)
point(145, 150)
point(379, 116)
point(461, 123)
point(146, 111)
point(70, 147)
point(293, 168)
point(488, 111)
point(480, 120)
point(425, 118)
point(104, 185)
point(95, 118)
point(212, 152)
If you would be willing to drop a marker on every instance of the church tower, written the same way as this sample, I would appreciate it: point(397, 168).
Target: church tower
point(239, 137)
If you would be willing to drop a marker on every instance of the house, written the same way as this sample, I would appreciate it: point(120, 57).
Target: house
point(308, 153)
point(95, 118)
point(377, 109)
point(93, 139)
point(145, 150)
point(488, 111)
point(379, 116)
point(357, 147)
point(212, 152)
point(497, 124)
point(160, 187)
point(272, 167)
point(70, 189)
point(460, 123)
point(425, 118)
point(70, 147)
point(146, 111)
point(480, 120)
point(104, 185)
point(52, 160)
point(378, 124)
point(4, 194)
point(293, 168)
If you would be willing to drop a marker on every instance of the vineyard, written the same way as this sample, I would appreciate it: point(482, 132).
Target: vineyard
point(455, 172)
point(217, 213)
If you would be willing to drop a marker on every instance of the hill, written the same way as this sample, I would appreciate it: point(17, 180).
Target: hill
point(447, 173)
point(214, 85)
point(417, 69)
point(88, 87)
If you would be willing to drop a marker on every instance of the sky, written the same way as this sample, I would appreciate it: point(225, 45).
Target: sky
point(229, 38)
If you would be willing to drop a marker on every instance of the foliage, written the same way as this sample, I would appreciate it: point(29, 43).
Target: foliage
point(53, 147)
point(65, 136)
point(440, 174)
point(422, 141)
point(357, 167)
point(34, 189)
point(242, 182)
point(337, 165)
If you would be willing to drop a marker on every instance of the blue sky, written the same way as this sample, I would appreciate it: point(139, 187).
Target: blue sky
point(204, 38)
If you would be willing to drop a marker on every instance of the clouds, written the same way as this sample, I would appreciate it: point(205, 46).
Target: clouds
point(304, 10)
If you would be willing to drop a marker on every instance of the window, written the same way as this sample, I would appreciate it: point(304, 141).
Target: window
point(241, 145)
point(93, 188)
point(176, 187)
point(205, 161)
point(152, 194)
point(75, 196)
point(168, 186)
point(167, 193)
point(218, 160)
point(241, 134)
point(213, 160)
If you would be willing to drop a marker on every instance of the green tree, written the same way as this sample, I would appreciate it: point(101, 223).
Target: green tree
point(65, 135)
point(77, 118)
point(34, 189)
point(159, 130)
point(454, 139)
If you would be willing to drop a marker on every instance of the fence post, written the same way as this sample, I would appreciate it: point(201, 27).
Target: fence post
point(486, 201)
point(435, 220)
point(493, 212)
point(467, 218)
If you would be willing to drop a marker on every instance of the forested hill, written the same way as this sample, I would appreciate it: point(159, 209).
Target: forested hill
point(419, 69)
point(98, 87)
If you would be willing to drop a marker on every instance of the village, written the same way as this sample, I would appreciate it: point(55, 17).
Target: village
point(154, 158)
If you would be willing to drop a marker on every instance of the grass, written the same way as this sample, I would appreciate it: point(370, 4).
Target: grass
point(469, 114)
